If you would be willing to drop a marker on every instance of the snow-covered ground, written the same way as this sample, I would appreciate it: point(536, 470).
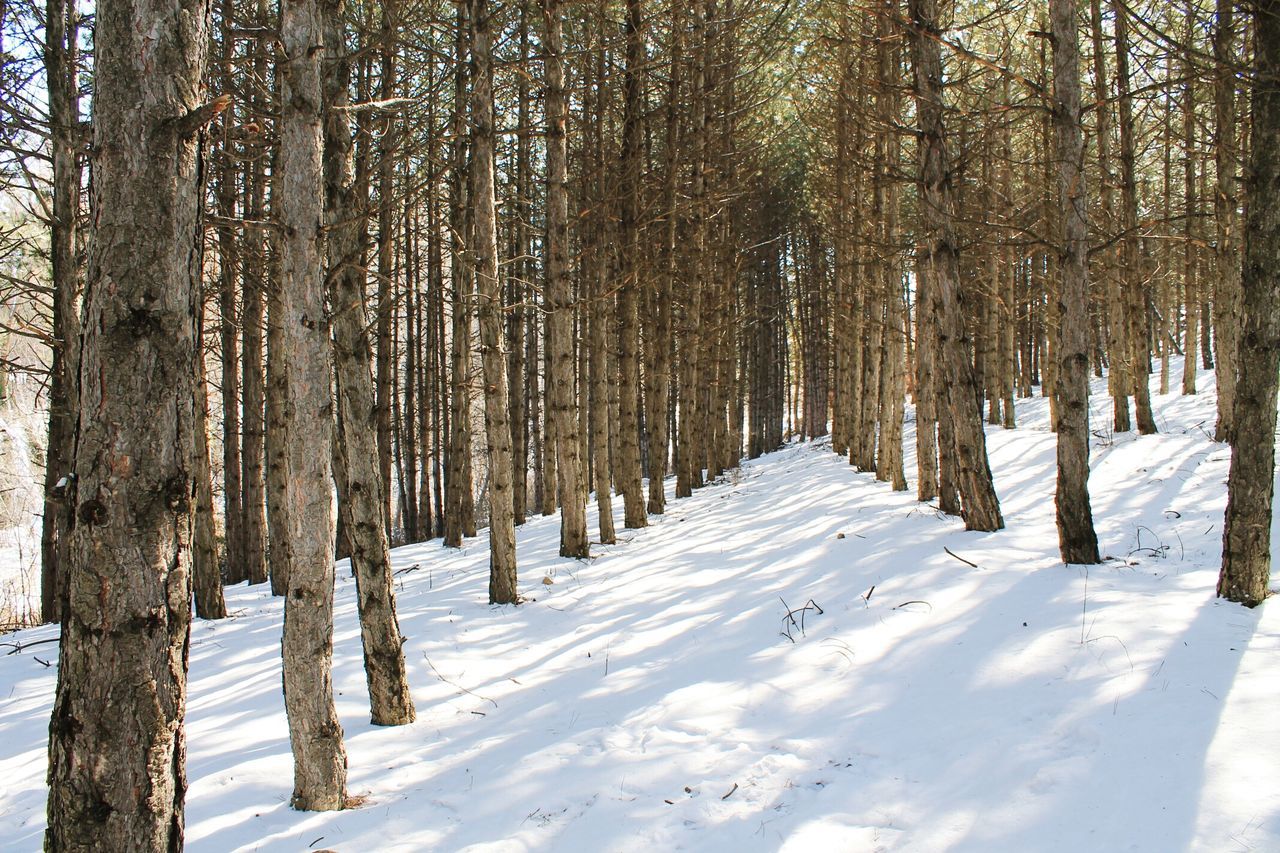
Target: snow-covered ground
point(649, 700)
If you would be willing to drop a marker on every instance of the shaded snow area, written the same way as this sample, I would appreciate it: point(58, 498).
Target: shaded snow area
point(649, 699)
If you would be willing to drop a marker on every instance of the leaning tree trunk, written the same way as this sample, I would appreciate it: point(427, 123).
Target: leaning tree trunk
point(362, 486)
point(116, 739)
point(1077, 541)
point(980, 507)
point(502, 531)
point(1246, 543)
point(559, 296)
point(320, 761)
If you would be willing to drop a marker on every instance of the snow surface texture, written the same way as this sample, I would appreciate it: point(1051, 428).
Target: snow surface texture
point(648, 700)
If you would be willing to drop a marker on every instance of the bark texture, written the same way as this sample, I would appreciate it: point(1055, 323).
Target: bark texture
point(560, 396)
point(980, 507)
point(1246, 542)
point(116, 740)
point(362, 488)
point(319, 759)
point(1077, 541)
point(502, 530)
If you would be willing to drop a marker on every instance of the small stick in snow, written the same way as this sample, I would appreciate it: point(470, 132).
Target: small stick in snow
point(961, 559)
point(454, 683)
point(731, 790)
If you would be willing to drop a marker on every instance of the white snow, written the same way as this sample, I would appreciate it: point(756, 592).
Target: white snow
point(648, 700)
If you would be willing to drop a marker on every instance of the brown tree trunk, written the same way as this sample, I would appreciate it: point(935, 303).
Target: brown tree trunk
point(627, 468)
point(502, 533)
point(1133, 294)
point(320, 762)
point(560, 396)
point(62, 82)
point(206, 573)
point(1077, 541)
point(959, 401)
point(116, 739)
point(362, 487)
point(1246, 542)
point(1227, 287)
point(460, 512)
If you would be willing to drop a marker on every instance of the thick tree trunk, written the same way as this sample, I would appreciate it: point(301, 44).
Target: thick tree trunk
point(320, 762)
point(1077, 541)
point(362, 487)
point(560, 396)
point(980, 507)
point(1246, 543)
point(116, 740)
point(502, 532)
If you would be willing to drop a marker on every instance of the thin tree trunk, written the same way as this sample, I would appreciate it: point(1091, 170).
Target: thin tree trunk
point(502, 533)
point(980, 507)
point(560, 397)
point(1227, 287)
point(320, 762)
point(1077, 541)
point(62, 82)
point(362, 487)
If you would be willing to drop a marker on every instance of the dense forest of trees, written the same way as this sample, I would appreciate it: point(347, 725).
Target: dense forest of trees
point(467, 262)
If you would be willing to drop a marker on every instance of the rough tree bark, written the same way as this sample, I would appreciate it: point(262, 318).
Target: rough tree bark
point(320, 761)
point(1246, 542)
point(1226, 296)
point(362, 487)
point(116, 740)
point(62, 82)
point(559, 296)
point(502, 531)
point(980, 507)
point(1077, 541)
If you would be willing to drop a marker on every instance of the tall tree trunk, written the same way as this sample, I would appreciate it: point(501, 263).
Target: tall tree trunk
point(387, 145)
point(116, 739)
point(320, 761)
point(559, 297)
point(1133, 293)
point(1246, 542)
point(1227, 287)
point(362, 487)
point(502, 533)
point(62, 83)
point(460, 512)
point(1077, 541)
point(980, 507)
point(627, 467)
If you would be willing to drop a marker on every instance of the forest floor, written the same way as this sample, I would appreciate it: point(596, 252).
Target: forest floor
point(934, 689)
